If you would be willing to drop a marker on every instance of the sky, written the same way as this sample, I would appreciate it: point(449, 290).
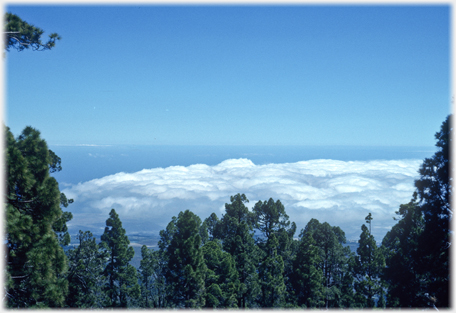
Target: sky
point(233, 75)
point(253, 76)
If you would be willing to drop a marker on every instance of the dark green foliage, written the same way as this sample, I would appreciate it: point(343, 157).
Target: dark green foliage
point(333, 260)
point(434, 194)
point(86, 264)
point(307, 279)
point(147, 269)
point(186, 270)
point(36, 262)
point(60, 226)
point(270, 217)
point(271, 276)
point(418, 246)
point(221, 277)
point(21, 35)
point(121, 279)
point(272, 221)
point(235, 229)
point(400, 247)
point(369, 264)
point(211, 223)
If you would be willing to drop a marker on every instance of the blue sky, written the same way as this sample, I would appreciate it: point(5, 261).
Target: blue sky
point(234, 75)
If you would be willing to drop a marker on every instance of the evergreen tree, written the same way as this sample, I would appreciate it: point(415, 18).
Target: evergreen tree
point(211, 223)
point(399, 247)
point(86, 265)
point(147, 270)
point(418, 245)
point(21, 35)
point(347, 294)
point(333, 260)
point(434, 189)
point(221, 276)
point(369, 265)
point(161, 285)
point(122, 283)
point(307, 279)
point(272, 221)
point(36, 262)
point(186, 269)
point(235, 229)
point(270, 217)
point(271, 276)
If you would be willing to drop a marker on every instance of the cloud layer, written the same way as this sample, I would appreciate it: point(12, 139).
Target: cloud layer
point(341, 193)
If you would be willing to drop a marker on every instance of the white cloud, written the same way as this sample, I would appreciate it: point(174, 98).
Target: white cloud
point(341, 193)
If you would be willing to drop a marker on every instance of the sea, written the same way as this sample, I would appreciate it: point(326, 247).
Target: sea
point(86, 162)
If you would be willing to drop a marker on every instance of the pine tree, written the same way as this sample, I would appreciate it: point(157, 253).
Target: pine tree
point(333, 260)
point(211, 223)
point(20, 35)
point(186, 269)
point(235, 229)
point(368, 268)
point(418, 246)
point(163, 288)
point(271, 276)
point(36, 262)
point(122, 283)
point(86, 265)
point(147, 270)
point(399, 247)
point(307, 279)
point(272, 221)
point(434, 189)
point(221, 277)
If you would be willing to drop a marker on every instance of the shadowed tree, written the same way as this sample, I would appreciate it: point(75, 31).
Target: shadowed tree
point(418, 246)
point(434, 189)
point(399, 247)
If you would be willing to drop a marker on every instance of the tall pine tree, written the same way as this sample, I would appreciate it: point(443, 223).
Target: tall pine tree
point(333, 260)
point(235, 229)
point(36, 262)
point(86, 265)
point(147, 269)
point(418, 246)
point(122, 283)
point(369, 265)
point(307, 280)
point(186, 270)
point(272, 222)
point(222, 280)
point(434, 189)
point(271, 276)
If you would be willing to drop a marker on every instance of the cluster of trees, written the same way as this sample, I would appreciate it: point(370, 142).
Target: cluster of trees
point(245, 258)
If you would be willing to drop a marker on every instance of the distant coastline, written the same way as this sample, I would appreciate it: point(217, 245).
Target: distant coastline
point(82, 163)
